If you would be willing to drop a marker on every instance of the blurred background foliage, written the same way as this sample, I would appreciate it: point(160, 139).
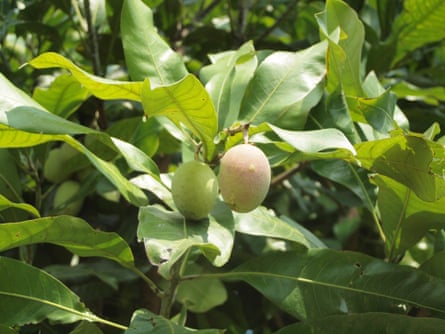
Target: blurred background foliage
point(415, 70)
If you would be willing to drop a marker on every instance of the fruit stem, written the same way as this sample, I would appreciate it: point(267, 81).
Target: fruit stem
point(170, 292)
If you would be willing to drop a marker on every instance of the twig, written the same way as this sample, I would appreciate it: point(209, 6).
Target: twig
point(288, 173)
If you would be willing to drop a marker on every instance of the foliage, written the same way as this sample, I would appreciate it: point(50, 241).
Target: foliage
point(346, 101)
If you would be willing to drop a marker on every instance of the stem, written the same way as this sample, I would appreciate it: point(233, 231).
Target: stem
point(287, 173)
point(169, 294)
point(152, 285)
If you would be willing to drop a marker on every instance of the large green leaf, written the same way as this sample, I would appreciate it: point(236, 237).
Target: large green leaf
point(226, 80)
point(145, 322)
point(262, 222)
point(12, 97)
point(73, 233)
point(147, 55)
point(410, 159)
point(285, 87)
point(324, 282)
point(7, 330)
point(185, 102)
point(345, 33)
point(420, 23)
point(105, 89)
point(367, 323)
point(6, 203)
point(405, 217)
point(63, 97)
point(168, 236)
point(28, 294)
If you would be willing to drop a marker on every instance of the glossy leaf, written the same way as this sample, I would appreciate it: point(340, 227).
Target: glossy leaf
point(346, 282)
point(147, 55)
point(63, 96)
point(405, 217)
point(409, 159)
point(340, 25)
point(226, 80)
point(419, 24)
point(184, 103)
point(12, 97)
point(6, 203)
point(73, 233)
point(168, 236)
point(367, 323)
point(145, 322)
point(105, 89)
point(285, 87)
point(262, 222)
point(31, 295)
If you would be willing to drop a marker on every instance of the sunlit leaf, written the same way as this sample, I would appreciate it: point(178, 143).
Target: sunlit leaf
point(147, 55)
point(184, 103)
point(73, 233)
point(367, 323)
point(284, 88)
point(167, 236)
point(5, 204)
point(12, 97)
point(105, 89)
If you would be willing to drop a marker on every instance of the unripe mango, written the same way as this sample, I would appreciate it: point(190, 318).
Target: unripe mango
point(62, 198)
point(194, 189)
point(244, 177)
point(55, 168)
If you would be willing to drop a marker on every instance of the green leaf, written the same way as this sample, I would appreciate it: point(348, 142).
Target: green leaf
point(185, 102)
point(7, 330)
point(63, 97)
point(285, 87)
point(145, 322)
point(30, 295)
point(405, 217)
point(353, 283)
point(420, 23)
point(430, 95)
point(345, 33)
point(168, 236)
point(147, 55)
point(262, 222)
point(86, 328)
point(410, 159)
point(226, 81)
point(12, 97)
point(73, 233)
point(367, 323)
point(434, 265)
point(105, 89)
point(317, 144)
point(6, 203)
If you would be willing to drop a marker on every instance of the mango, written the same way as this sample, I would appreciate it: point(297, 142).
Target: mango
point(62, 198)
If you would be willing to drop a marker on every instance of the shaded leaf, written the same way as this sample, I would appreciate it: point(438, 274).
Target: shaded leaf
point(167, 236)
point(7, 330)
point(405, 217)
point(73, 233)
point(285, 87)
point(185, 103)
point(367, 323)
point(147, 55)
point(87, 328)
point(346, 282)
point(144, 322)
point(430, 95)
point(434, 265)
point(105, 89)
point(6, 203)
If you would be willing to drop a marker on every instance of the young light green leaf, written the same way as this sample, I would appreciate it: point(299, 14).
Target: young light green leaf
point(410, 159)
point(63, 97)
point(147, 55)
point(105, 89)
point(285, 87)
point(6, 203)
point(354, 282)
point(146, 322)
point(262, 222)
point(420, 23)
point(367, 323)
point(12, 97)
point(73, 233)
point(405, 217)
point(167, 236)
point(187, 103)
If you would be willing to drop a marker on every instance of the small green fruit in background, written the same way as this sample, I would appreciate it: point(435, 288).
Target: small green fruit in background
point(62, 198)
point(194, 189)
point(244, 177)
point(54, 168)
